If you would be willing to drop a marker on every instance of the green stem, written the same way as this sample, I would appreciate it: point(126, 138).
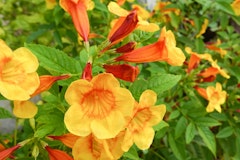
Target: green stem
point(15, 133)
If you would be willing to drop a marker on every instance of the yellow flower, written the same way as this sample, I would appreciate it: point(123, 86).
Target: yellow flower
point(18, 76)
point(114, 8)
point(91, 148)
point(215, 47)
point(99, 106)
point(216, 97)
point(236, 7)
point(139, 129)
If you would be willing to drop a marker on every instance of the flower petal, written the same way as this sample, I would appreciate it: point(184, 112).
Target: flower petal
point(144, 139)
point(108, 127)
point(24, 109)
point(148, 98)
point(114, 8)
point(76, 122)
point(23, 58)
point(105, 81)
point(76, 90)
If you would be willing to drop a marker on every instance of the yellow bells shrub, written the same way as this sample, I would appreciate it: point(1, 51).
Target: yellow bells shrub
point(99, 106)
point(144, 25)
point(18, 76)
point(24, 109)
point(221, 71)
point(145, 115)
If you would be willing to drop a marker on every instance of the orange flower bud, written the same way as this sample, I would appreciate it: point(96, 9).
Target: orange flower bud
point(87, 72)
point(123, 71)
point(55, 154)
point(123, 27)
point(68, 139)
point(126, 48)
point(47, 81)
point(7, 152)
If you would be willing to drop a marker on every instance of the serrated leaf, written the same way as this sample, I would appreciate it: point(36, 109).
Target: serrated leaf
point(50, 123)
point(190, 132)
point(206, 121)
point(174, 147)
point(163, 82)
point(180, 127)
point(5, 113)
point(225, 132)
point(138, 87)
point(225, 7)
point(54, 60)
point(208, 138)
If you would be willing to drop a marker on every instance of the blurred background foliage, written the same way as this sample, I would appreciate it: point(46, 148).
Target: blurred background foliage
point(188, 132)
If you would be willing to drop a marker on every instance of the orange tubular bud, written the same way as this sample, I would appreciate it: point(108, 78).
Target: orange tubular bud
point(126, 48)
point(87, 72)
point(7, 152)
point(123, 71)
point(78, 12)
point(150, 53)
point(123, 27)
point(202, 92)
point(68, 139)
point(47, 81)
point(55, 154)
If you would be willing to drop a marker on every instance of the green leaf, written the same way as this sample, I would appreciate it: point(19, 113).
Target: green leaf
point(131, 154)
point(174, 114)
point(190, 132)
point(138, 87)
point(50, 123)
point(225, 132)
point(54, 60)
point(208, 138)
point(206, 121)
point(225, 7)
point(173, 145)
point(5, 113)
point(160, 126)
point(180, 127)
point(163, 82)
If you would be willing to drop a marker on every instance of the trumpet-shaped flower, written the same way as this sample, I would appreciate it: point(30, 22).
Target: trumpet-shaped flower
point(56, 154)
point(123, 71)
point(99, 106)
point(91, 148)
point(78, 11)
point(163, 50)
point(215, 95)
point(145, 116)
point(18, 76)
point(236, 7)
point(195, 58)
point(220, 71)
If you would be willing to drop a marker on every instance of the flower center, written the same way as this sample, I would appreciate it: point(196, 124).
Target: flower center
point(98, 103)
